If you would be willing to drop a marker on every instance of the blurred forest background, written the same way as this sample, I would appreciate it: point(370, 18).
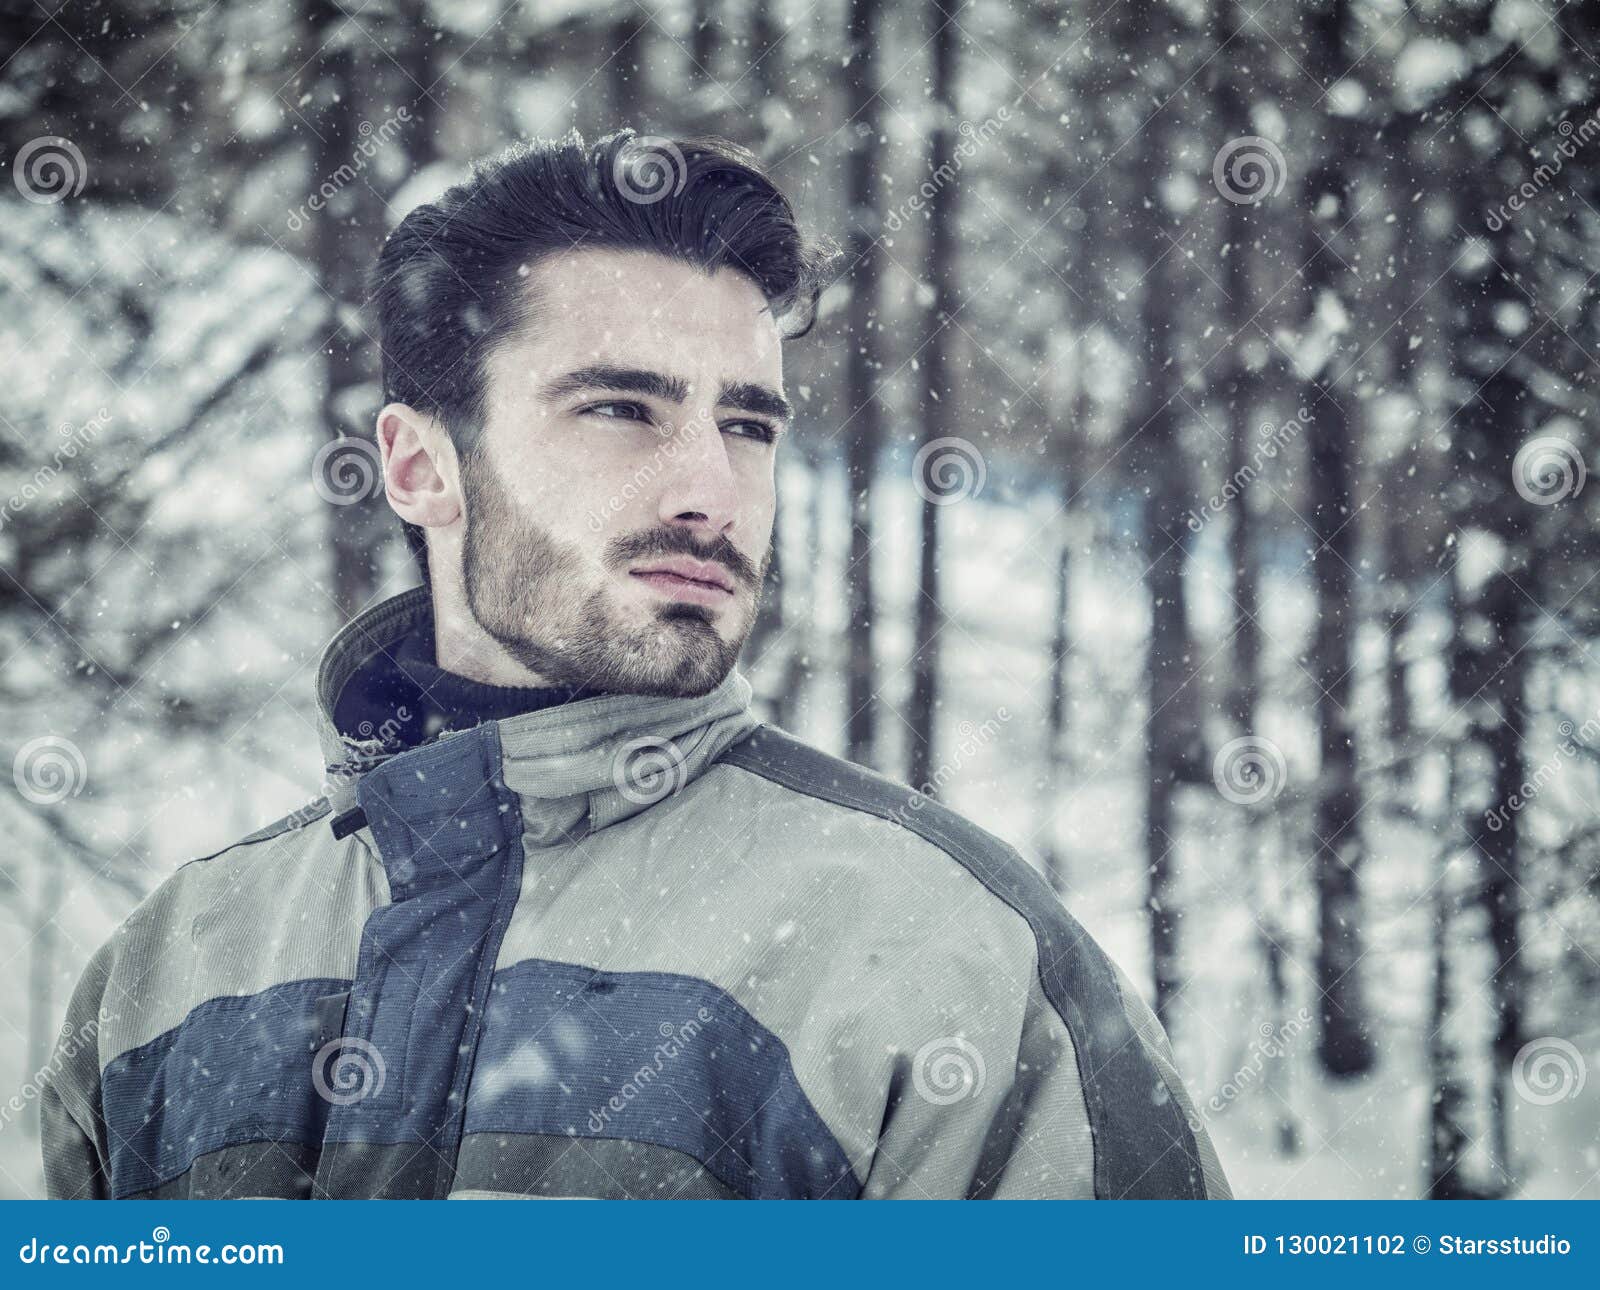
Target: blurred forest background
point(1189, 486)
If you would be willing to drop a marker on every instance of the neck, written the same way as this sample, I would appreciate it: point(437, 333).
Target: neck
point(461, 646)
point(449, 697)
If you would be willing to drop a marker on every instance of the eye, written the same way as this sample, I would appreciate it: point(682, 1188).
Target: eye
point(760, 431)
point(632, 411)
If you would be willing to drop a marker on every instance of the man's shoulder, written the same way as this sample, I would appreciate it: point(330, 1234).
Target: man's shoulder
point(259, 856)
point(1089, 994)
point(793, 764)
point(1078, 976)
point(297, 820)
point(906, 817)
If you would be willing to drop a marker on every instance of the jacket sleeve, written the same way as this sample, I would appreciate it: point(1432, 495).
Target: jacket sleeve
point(1156, 1043)
point(72, 1128)
point(1001, 1113)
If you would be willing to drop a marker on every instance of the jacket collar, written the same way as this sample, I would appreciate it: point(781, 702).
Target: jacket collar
point(576, 767)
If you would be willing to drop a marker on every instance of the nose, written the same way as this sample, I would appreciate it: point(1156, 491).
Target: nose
point(700, 489)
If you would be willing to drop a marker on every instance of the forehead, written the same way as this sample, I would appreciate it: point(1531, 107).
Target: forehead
point(641, 309)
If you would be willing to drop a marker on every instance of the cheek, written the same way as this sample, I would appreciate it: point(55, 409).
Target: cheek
point(757, 498)
point(570, 480)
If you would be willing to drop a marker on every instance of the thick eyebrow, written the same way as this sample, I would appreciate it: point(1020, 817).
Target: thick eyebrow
point(747, 396)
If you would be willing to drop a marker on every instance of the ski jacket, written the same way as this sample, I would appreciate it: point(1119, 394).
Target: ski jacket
point(624, 947)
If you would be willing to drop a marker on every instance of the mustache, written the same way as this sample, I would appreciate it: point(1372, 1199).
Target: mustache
point(681, 541)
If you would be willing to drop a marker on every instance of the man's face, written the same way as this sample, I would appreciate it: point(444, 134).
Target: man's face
point(619, 502)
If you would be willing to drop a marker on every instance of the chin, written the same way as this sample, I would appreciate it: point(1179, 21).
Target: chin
point(694, 657)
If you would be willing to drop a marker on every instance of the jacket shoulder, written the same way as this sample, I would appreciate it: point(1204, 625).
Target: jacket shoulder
point(184, 891)
point(1143, 1147)
point(791, 763)
point(311, 812)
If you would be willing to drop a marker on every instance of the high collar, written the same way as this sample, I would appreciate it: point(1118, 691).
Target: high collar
point(580, 765)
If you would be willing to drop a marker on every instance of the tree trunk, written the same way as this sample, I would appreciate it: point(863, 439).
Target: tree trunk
point(863, 425)
point(1056, 714)
point(943, 214)
point(703, 41)
point(1173, 718)
point(1344, 1042)
point(1243, 387)
point(346, 237)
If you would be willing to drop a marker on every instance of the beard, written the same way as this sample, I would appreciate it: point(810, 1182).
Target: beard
point(537, 595)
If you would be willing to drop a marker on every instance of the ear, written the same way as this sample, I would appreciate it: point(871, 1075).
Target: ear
point(420, 474)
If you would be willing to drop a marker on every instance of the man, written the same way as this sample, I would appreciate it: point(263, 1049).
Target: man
point(570, 921)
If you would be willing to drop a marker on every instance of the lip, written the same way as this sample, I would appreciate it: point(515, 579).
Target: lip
point(697, 581)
